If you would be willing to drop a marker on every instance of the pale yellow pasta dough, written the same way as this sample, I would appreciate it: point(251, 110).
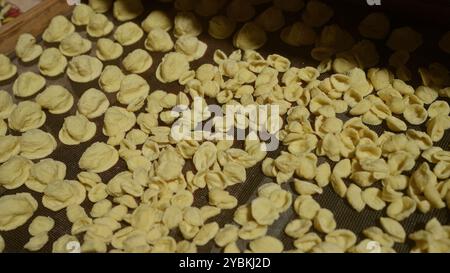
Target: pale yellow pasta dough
point(157, 19)
point(55, 98)
point(272, 19)
point(36, 242)
point(110, 79)
point(63, 193)
point(14, 172)
point(99, 157)
point(107, 50)
point(28, 84)
point(36, 144)
point(221, 27)
point(45, 172)
point(158, 40)
point(404, 38)
point(240, 11)
point(9, 146)
point(375, 26)
point(84, 68)
point(41, 224)
point(59, 28)
point(190, 46)
point(137, 61)
point(126, 10)
point(27, 49)
point(52, 62)
point(187, 24)
point(99, 26)
point(118, 121)
point(6, 104)
point(133, 91)
point(266, 244)
point(74, 45)
point(7, 69)
point(3, 127)
point(100, 6)
point(15, 210)
point(26, 116)
point(128, 33)
point(81, 14)
point(93, 103)
point(76, 129)
point(250, 36)
point(65, 243)
point(172, 67)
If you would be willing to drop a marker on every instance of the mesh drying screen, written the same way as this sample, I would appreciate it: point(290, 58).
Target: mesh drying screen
point(345, 216)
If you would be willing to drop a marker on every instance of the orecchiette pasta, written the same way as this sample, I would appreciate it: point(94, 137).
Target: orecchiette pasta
point(52, 63)
point(138, 61)
point(98, 158)
point(76, 129)
point(26, 116)
point(7, 68)
point(84, 68)
point(128, 33)
point(93, 103)
point(27, 49)
point(107, 50)
point(59, 28)
point(28, 84)
point(16, 210)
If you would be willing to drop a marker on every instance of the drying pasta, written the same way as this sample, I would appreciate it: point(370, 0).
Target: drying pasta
point(107, 50)
point(99, 26)
point(76, 129)
point(127, 10)
point(7, 69)
point(138, 61)
point(16, 209)
point(28, 84)
point(110, 79)
point(27, 49)
point(93, 103)
point(55, 98)
point(44, 172)
point(26, 116)
point(98, 158)
point(59, 28)
point(36, 144)
point(74, 45)
point(157, 19)
point(128, 33)
point(158, 40)
point(52, 62)
point(84, 68)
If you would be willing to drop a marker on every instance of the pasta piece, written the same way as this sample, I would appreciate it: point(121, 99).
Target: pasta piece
point(186, 23)
point(52, 63)
point(28, 84)
point(15, 210)
point(394, 229)
point(298, 34)
point(107, 50)
point(6, 104)
point(206, 233)
point(317, 13)
point(117, 121)
point(84, 69)
point(221, 27)
point(100, 6)
point(158, 40)
point(172, 67)
point(133, 91)
point(26, 116)
point(128, 33)
point(138, 61)
point(126, 10)
point(324, 221)
point(59, 28)
point(110, 79)
point(74, 45)
point(81, 14)
point(10, 146)
point(372, 197)
point(157, 19)
point(354, 197)
point(226, 235)
point(36, 144)
point(15, 172)
point(55, 98)
point(249, 37)
point(41, 224)
point(375, 26)
point(266, 244)
point(404, 38)
point(192, 47)
point(7, 68)
point(415, 114)
point(93, 103)
point(99, 157)
point(45, 172)
point(76, 129)
point(271, 19)
point(99, 26)
point(27, 49)
point(63, 193)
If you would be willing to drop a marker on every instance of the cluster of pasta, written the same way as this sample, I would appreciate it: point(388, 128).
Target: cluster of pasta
point(138, 209)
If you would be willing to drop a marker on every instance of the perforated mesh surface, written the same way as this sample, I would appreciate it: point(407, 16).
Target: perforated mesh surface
point(346, 16)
